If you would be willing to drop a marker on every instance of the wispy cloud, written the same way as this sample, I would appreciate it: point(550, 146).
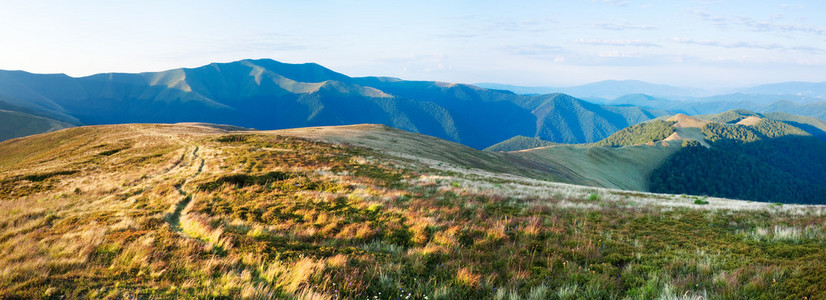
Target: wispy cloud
point(766, 61)
point(535, 49)
point(757, 25)
point(530, 26)
point(630, 58)
point(620, 43)
point(791, 6)
point(620, 58)
point(716, 20)
point(613, 2)
point(748, 45)
point(458, 35)
point(624, 26)
point(812, 50)
point(419, 63)
point(763, 26)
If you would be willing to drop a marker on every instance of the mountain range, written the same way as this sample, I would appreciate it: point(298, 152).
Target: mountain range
point(605, 90)
point(267, 94)
point(800, 98)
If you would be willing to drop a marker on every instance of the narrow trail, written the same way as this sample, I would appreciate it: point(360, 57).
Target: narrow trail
point(186, 167)
point(185, 204)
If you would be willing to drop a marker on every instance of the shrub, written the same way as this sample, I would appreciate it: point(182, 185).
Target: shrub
point(242, 180)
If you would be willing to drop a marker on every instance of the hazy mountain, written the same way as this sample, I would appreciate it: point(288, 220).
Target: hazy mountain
point(267, 94)
point(800, 98)
point(610, 89)
point(642, 100)
point(817, 109)
point(808, 89)
point(524, 90)
point(605, 90)
point(763, 103)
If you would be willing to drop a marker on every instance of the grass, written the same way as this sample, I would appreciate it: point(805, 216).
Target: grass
point(272, 216)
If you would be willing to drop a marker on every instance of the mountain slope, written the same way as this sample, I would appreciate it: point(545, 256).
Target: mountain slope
point(737, 154)
point(519, 143)
point(16, 124)
point(750, 157)
point(195, 211)
point(267, 94)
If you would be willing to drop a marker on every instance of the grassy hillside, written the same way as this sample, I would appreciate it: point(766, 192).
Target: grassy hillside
point(653, 131)
point(519, 143)
point(16, 124)
point(813, 126)
point(622, 168)
point(192, 211)
point(737, 154)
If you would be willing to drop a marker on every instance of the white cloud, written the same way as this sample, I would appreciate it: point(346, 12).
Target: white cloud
point(535, 49)
point(749, 45)
point(613, 2)
point(623, 26)
point(620, 43)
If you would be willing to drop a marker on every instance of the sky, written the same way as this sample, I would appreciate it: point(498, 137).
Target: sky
point(704, 44)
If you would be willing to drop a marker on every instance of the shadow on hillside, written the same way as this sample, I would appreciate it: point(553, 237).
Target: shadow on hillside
point(787, 169)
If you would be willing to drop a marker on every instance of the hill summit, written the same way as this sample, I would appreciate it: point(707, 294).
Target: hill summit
point(685, 121)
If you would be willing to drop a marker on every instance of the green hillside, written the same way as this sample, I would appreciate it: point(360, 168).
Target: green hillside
point(735, 154)
point(653, 131)
point(16, 124)
point(729, 116)
point(770, 161)
point(192, 211)
point(519, 143)
point(625, 168)
point(813, 126)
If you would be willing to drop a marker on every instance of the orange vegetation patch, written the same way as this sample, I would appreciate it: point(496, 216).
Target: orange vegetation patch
point(749, 121)
point(684, 121)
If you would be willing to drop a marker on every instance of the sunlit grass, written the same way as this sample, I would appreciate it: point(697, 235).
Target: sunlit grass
point(193, 213)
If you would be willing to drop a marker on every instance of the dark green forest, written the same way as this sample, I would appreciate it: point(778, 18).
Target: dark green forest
point(639, 134)
point(771, 162)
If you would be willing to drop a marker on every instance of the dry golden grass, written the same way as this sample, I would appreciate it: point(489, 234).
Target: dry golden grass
point(190, 211)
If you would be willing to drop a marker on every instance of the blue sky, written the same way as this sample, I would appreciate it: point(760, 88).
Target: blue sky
point(538, 43)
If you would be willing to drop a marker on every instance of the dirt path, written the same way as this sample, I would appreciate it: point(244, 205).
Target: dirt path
point(183, 206)
point(189, 166)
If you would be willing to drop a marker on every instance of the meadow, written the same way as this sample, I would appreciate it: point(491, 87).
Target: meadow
point(169, 211)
